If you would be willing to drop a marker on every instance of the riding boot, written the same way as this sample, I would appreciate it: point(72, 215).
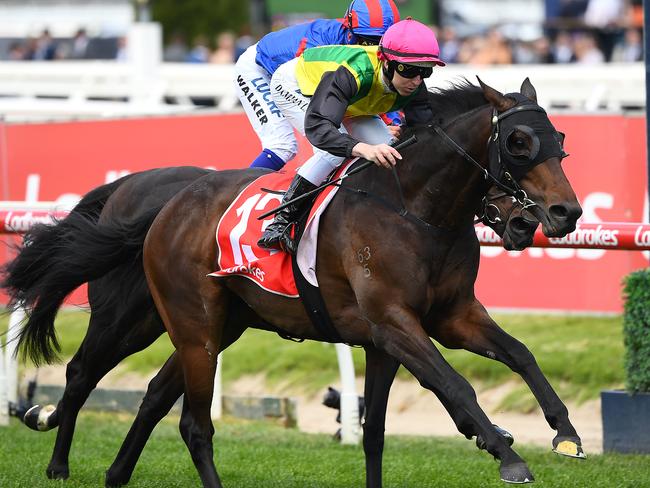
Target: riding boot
point(278, 233)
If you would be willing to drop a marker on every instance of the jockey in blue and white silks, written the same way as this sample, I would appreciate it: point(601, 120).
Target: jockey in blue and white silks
point(364, 23)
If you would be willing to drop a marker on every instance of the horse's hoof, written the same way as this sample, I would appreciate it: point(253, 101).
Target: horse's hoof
point(480, 443)
point(517, 473)
point(568, 446)
point(57, 473)
point(36, 418)
point(114, 481)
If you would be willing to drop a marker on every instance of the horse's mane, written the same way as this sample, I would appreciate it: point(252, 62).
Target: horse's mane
point(461, 97)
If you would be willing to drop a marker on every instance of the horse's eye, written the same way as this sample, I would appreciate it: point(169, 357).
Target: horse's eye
point(519, 143)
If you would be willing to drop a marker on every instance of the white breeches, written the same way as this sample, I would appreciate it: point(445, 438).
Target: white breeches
point(252, 84)
point(293, 105)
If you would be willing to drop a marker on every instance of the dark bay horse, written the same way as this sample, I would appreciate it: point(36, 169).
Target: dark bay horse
point(422, 268)
point(55, 259)
point(74, 398)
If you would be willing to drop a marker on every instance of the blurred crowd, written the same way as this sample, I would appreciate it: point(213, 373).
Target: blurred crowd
point(578, 31)
point(44, 47)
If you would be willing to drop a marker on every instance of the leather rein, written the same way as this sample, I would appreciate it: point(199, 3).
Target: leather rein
point(510, 187)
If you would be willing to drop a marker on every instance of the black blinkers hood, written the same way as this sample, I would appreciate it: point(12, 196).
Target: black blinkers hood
point(532, 121)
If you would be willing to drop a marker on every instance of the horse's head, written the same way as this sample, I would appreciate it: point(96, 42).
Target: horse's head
point(525, 156)
point(509, 219)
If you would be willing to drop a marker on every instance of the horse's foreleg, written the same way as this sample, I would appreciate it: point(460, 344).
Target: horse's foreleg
point(398, 332)
point(194, 310)
point(478, 333)
point(163, 391)
point(195, 424)
point(380, 373)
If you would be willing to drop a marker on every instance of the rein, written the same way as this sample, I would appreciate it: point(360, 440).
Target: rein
point(515, 191)
point(361, 167)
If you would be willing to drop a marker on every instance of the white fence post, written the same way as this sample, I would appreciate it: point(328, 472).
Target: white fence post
point(216, 409)
point(350, 430)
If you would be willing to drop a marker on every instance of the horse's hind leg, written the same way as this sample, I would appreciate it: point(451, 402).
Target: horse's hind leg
point(104, 346)
point(380, 373)
point(473, 329)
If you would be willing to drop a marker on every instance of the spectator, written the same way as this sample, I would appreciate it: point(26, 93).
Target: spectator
point(17, 51)
point(493, 49)
point(79, 45)
point(176, 50)
point(587, 51)
point(225, 51)
point(121, 54)
point(243, 42)
point(200, 52)
point(605, 13)
point(606, 18)
point(630, 49)
point(533, 52)
point(543, 50)
point(563, 50)
point(44, 49)
point(469, 47)
point(449, 45)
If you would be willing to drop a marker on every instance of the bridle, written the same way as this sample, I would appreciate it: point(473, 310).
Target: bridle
point(497, 172)
point(490, 213)
point(503, 179)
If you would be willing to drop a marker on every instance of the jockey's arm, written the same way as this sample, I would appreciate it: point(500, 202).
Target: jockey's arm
point(325, 114)
point(326, 111)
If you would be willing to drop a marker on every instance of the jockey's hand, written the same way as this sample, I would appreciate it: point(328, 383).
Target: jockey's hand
point(395, 131)
point(380, 154)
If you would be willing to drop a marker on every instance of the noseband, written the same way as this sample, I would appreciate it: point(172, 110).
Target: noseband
point(490, 213)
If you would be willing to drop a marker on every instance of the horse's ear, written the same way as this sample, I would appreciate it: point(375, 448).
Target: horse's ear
point(528, 90)
point(495, 97)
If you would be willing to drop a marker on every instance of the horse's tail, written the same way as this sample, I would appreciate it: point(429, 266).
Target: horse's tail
point(55, 259)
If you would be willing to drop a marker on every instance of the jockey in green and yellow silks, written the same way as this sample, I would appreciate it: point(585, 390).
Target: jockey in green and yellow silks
point(333, 95)
point(366, 68)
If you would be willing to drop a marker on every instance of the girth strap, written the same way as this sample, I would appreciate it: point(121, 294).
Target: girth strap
point(310, 295)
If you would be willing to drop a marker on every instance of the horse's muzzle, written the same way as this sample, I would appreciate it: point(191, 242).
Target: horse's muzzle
point(519, 233)
point(561, 219)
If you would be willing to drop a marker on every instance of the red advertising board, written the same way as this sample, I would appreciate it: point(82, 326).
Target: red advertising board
point(61, 161)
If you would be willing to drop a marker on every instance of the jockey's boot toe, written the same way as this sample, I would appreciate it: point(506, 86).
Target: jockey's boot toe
point(278, 233)
point(271, 238)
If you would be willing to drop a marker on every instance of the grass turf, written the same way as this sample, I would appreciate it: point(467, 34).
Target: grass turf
point(254, 455)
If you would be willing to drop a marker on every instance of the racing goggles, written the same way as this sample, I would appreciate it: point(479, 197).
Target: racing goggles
point(366, 40)
point(411, 71)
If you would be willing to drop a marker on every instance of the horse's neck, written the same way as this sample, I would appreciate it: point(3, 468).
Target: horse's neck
point(439, 185)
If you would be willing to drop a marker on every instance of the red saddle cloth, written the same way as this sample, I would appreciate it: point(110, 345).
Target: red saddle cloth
point(239, 230)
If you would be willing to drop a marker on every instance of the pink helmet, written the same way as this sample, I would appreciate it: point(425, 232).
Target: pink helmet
point(410, 42)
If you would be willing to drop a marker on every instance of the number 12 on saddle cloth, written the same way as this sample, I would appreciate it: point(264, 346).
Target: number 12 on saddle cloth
point(239, 230)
